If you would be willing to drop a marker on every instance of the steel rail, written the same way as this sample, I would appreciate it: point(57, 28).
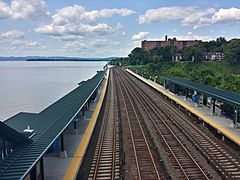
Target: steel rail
point(172, 133)
point(138, 121)
point(103, 138)
point(228, 167)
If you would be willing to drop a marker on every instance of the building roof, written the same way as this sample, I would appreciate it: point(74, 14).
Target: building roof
point(225, 96)
point(47, 126)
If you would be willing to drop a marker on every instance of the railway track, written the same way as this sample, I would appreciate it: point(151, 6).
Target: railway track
point(181, 158)
point(141, 154)
point(106, 160)
point(220, 158)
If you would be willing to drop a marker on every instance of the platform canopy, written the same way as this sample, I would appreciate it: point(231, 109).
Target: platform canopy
point(225, 96)
point(47, 126)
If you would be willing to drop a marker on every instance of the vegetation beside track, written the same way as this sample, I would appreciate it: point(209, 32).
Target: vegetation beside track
point(158, 62)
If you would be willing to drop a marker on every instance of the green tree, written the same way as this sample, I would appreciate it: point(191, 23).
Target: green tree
point(194, 53)
point(138, 56)
point(162, 54)
point(232, 51)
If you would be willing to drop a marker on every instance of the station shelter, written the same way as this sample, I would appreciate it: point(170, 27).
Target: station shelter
point(26, 137)
point(226, 102)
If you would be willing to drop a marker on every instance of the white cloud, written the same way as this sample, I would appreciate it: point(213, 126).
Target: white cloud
point(97, 43)
point(165, 14)
point(79, 13)
point(91, 46)
point(13, 34)
point(103, 42)
point(76, 20)
point(68, 37)
point(202, 22)
point(231, 16)
point(226, 15)
point(188, 16)
point(71, 45)
point(195, 17)
point(75, 29)
point(119, 26)
point(25, 43)
point(4, 10)
point(191, 16)
point(139, 36)
point(23, 9)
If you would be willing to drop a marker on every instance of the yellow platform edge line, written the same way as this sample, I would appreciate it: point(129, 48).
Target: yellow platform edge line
point(206, 119)
point(77, 158)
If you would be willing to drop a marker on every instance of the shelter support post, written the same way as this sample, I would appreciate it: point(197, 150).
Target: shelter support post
point(83, 113)
point(75, 124)
point(98, 90)
point(89, 101)
point(186, 95)
point(204, 100)
point(4, 149)
point(236, 118)
point(165, 84)
point(95, 95)
point(33, 173)
point(213, 107)
point(75, 129)
point(42, 169)
point(63, 152)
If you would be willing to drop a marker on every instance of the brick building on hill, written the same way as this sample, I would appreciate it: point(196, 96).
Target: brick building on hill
point(147, 45)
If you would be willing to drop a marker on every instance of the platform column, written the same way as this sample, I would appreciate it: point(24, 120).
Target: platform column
point(98, 90)
point(63, 152)
point(89, 103)
point(75, 129)
point(213, 106)
point(75, 124)
point(42, 169)
point(186, 96)
point(236, 116)
point(165, 84)
point(33, 173)
point(155, 79)
point(4, 149)
point(204, 100)
point(83, 113)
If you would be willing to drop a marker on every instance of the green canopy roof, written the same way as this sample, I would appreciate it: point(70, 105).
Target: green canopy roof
point(226, 96)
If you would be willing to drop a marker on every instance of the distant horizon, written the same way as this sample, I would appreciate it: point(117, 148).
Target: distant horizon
point(56, 58)
point(107, 57)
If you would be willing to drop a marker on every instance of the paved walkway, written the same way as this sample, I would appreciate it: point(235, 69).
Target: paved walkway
point(222, 124)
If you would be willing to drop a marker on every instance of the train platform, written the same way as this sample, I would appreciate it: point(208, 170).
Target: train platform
point(76, 143)
point(223, 125)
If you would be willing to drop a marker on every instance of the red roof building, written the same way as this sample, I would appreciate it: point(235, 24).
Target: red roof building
point(147, 45)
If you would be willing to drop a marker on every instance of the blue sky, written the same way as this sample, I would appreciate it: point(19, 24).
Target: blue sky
point(104, 28)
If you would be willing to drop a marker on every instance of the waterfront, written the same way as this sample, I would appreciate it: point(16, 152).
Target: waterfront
point(32, 86)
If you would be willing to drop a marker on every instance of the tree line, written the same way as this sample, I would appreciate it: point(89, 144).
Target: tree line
point(158, 62)
point(230, 49)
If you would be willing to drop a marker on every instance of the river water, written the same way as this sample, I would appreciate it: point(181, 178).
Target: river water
point(32, 86)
